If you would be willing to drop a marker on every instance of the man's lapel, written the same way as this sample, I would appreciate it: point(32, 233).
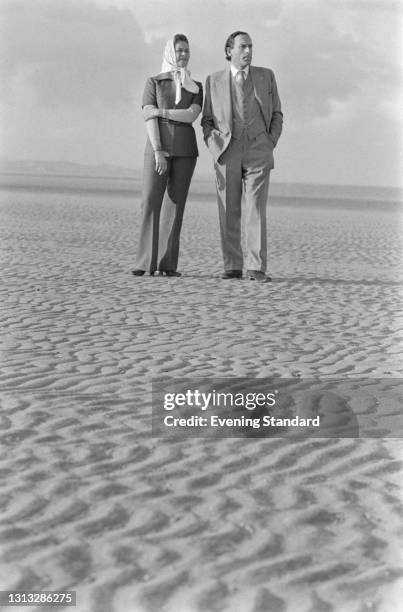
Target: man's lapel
point(260, 88)
point(224, 87)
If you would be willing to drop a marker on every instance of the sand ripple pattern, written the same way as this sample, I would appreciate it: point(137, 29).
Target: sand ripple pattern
point(91, 501)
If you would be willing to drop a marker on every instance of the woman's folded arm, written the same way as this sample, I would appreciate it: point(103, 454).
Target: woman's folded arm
point(184, 115)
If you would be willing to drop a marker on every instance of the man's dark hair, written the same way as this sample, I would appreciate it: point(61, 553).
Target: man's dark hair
point(180, 37)
point(230, 42)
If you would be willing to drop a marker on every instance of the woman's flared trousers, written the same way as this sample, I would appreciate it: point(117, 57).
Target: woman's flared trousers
point(163, 204)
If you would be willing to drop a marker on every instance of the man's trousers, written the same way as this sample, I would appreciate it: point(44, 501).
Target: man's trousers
point(244, 167)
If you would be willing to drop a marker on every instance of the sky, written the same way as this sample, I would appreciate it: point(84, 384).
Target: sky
point(73, 72)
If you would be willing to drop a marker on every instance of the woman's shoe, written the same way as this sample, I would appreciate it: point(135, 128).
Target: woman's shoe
point(138, 272)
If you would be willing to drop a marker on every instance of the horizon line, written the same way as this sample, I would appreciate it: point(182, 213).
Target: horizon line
point(138, 171)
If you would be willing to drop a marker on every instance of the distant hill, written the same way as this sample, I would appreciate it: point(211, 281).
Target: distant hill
point(70, 176)
point(66, 169)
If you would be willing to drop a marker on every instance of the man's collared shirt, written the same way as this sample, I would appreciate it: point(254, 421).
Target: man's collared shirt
point(235, 71)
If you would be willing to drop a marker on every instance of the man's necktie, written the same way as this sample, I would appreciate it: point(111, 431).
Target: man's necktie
point(240, 79)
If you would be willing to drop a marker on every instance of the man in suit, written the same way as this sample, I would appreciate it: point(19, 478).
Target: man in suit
point(242, 122)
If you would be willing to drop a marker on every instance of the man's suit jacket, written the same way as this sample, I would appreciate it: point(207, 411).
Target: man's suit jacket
point(217, 111)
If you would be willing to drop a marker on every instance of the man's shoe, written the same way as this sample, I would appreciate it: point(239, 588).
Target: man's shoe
point(142, 272)
point(261, 277)
point(232, 274)
point(171, 273)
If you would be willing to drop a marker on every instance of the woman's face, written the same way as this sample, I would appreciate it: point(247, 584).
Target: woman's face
point(182, 53)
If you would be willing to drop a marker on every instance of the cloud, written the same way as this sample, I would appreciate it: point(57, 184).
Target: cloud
point(326, 53)
point(74, 73)
point(75, 53)
point(83, 53)
point(394, 6)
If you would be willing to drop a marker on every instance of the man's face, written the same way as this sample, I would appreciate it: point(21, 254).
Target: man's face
point(241, 52)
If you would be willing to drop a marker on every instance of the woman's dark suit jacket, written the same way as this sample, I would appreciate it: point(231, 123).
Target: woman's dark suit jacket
point(177, 139)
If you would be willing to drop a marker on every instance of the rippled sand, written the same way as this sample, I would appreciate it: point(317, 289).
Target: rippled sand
point(90, 501)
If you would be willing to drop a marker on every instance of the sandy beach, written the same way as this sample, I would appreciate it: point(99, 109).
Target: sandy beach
point(92, 501)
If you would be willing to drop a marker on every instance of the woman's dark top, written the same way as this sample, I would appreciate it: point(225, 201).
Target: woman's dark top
point(177, 139)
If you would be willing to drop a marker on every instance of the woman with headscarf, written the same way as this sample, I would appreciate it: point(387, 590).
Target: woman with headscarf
point(171, 102)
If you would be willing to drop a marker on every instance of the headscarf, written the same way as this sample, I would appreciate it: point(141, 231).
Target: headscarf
point(181, 75)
